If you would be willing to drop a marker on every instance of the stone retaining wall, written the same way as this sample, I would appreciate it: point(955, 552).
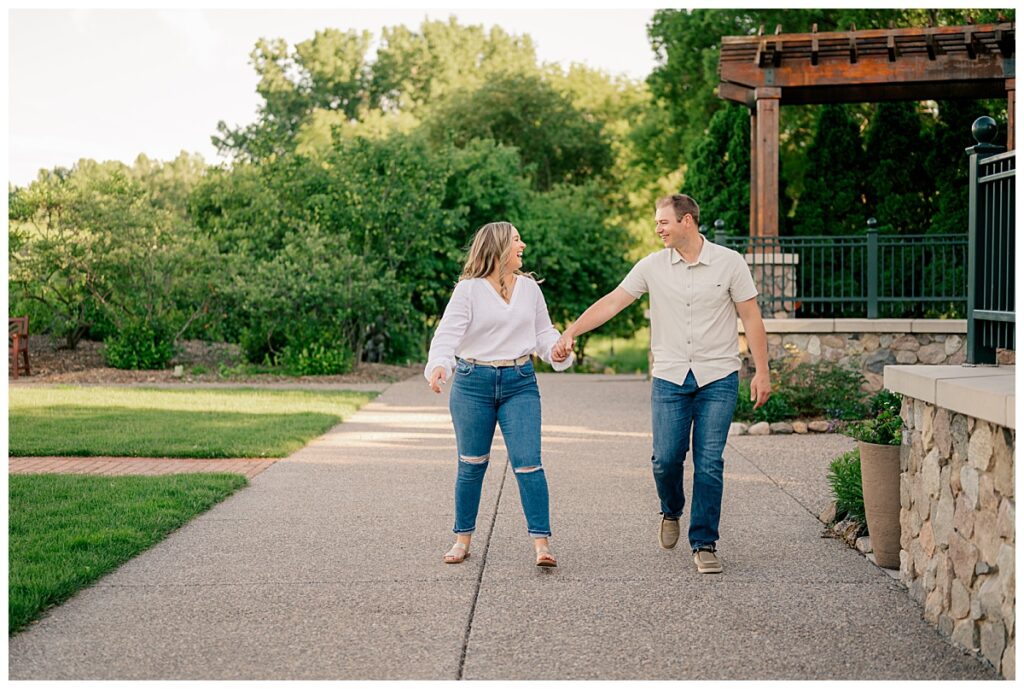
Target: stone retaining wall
point(868, 351)
point(957, 521)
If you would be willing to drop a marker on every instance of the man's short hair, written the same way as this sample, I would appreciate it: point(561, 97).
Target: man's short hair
point(681, 204)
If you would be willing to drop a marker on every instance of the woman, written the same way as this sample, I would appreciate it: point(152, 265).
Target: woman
point(495, 319)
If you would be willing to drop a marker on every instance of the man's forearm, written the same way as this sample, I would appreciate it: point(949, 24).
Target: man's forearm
point(757, 342)
point(599, 313)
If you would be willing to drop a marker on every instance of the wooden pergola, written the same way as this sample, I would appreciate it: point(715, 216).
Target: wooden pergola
point(765, 72)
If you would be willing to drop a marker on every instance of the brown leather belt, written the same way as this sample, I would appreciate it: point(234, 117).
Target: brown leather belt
point(501, 362)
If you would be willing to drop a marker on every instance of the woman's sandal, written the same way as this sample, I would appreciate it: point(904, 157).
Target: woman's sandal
point(457, 553)
point(545, 558)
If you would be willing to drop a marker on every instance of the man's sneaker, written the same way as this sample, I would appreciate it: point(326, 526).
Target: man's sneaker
point(669, 533)
point(706, 560)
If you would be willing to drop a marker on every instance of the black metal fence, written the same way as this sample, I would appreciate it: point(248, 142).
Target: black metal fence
point(874, 275)
point(990, 298)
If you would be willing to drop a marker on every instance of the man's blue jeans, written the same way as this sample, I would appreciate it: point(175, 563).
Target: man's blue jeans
point(708, 410)
point(482, 396)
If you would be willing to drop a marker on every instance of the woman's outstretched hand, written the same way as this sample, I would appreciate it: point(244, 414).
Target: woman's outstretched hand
point(437, 379)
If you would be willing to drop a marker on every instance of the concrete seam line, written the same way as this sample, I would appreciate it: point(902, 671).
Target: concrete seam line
point(770, 478)
point(480, 577)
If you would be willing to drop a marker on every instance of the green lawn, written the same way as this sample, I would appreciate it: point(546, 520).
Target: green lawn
point(67, 531)
point(625, 355)
point(145, 422)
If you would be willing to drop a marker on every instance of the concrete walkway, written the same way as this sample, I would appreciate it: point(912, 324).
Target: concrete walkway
point(329, 567)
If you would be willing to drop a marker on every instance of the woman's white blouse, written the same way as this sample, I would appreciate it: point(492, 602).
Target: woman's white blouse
point(478, 324)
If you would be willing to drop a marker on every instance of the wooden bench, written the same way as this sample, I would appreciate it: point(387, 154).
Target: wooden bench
point(17, 339)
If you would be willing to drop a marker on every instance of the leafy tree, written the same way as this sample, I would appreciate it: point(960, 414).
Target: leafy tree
point(630, 120)
point(315, 294)
point(486, 183)
point(45, 282)
point(99, 245)
point(832, 201)
point(557, 143)
point(388, 196)
point(415, 70)
point(328, 82)
point(325, 73)
point(169, 184)
point(382, 201)
point(317, 132)
point(578, 254)
point(718, 170)
point(898, 183)
point(947, 159)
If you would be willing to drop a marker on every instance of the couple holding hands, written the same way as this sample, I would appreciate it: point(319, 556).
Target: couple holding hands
point(497, 317)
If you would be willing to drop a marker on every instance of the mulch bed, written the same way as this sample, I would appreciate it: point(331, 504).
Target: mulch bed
point(85, 364)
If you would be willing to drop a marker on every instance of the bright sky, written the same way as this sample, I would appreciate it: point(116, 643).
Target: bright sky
point(110, 84)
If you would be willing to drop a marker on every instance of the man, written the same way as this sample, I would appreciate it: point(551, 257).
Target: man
point(697, 288)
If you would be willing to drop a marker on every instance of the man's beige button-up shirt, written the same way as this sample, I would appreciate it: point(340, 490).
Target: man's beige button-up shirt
point(693, 316)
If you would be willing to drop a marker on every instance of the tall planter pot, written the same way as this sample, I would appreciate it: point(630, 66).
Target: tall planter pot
point(880, 478)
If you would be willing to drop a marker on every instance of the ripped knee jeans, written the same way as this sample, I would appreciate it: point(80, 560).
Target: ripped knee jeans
point(481, 398)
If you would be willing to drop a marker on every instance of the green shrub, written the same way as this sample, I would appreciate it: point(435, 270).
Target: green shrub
point(777, 408)
point(885, 427)
point(844, 479)
point(822, 389)
point(807, 390)
point(885, 400)
point(139, 346)
point(259, 343)
point(744, 407)
point(316, 359)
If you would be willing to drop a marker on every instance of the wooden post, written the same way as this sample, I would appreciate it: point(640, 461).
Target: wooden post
point(767, 161)
point(752, 228)
point(1011, 101)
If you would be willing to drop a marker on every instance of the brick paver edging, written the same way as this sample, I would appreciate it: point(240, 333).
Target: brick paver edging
point(133, 466)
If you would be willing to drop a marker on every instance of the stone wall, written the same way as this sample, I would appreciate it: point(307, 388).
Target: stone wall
point(868, 351)
point(957, 527)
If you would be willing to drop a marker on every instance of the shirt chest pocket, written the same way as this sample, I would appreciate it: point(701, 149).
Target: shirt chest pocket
point(710, 293)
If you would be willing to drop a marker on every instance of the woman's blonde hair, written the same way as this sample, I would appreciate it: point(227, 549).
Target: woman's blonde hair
point(490, 250)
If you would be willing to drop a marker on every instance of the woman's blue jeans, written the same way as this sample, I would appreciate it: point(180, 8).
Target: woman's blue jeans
point(708, 410)
point(482, 396)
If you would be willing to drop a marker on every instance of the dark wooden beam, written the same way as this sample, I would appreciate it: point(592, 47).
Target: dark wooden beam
point(969, 44)
point(873, 93)
point(1011, 105)
point(736, 93)
point(767, 162)
point(1004, 39)
point(890, 46)
point(873, 70)
point(759, 55)
point(934, 49)
point(873, 33)
point(754, 215)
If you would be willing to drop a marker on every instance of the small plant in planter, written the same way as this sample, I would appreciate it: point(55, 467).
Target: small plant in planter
point(879, 439)
point(884, 429)
point(844, 479)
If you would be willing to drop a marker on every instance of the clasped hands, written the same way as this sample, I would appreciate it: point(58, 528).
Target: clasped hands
point(563, 348)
